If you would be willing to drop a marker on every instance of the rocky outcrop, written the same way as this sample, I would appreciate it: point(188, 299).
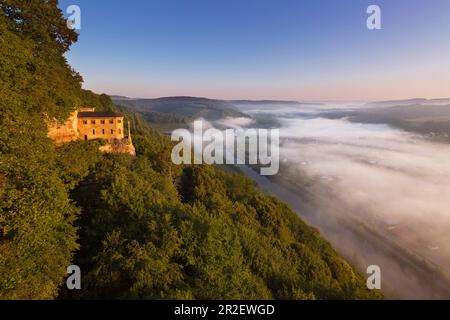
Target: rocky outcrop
point(119, 146)
point(64, 132)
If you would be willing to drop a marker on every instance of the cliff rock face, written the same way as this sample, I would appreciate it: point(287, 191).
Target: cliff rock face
point(119, 146)
point(66, 132)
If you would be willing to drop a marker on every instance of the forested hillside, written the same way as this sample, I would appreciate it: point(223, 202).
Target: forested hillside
point(139, 227)
point(171, 113)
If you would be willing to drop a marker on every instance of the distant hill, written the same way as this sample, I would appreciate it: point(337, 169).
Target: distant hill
point(170, 113)
point(416, 101)
point(191, 107)
point(263, 102)
point(431, 120)
point(120, 98)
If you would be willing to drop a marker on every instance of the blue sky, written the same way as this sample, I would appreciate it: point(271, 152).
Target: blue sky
point(264, 49)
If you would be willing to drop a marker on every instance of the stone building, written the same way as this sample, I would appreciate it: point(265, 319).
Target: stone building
point(87, 124)
point(100, 125)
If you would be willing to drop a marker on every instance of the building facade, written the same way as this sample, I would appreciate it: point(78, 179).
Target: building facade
point(87, 124)
point(100, 125)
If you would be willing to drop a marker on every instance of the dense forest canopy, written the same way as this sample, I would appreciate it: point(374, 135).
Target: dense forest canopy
point(139, 227)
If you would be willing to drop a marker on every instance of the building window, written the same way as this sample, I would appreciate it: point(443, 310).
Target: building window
point(112, 131)
point(111, 121)
point(92, 121)
point(84, 121)
point(93, 132)
point(120, 131)
point(103, 131)
point(119, 121)
point(102, 121)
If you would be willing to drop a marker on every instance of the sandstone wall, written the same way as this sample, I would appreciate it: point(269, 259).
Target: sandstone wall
point(64, 132)
point(119, 146)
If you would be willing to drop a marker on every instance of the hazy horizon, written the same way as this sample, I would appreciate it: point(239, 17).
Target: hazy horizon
point(305, 101)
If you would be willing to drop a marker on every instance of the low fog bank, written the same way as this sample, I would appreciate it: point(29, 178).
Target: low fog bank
point(379, 194)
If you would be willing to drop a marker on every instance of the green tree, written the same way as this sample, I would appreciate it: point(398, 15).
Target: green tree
point(37, 235)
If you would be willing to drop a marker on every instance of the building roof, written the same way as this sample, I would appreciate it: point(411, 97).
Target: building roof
point(108, 114)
